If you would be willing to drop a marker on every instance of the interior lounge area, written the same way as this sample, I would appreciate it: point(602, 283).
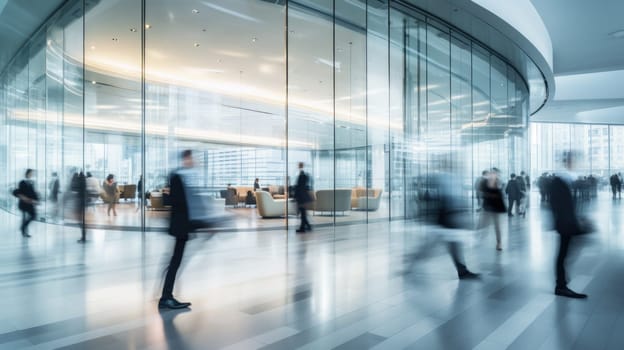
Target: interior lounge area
point(369, 98)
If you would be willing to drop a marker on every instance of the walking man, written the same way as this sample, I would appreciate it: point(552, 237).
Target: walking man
point(302, 196)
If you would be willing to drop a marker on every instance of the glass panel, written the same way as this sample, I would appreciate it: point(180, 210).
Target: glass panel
point(223, 96)
point(311, 105)
point(378, 155)
point(112, 120)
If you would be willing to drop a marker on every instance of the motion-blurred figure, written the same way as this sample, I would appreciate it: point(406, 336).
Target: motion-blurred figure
point(566, 220)
point(81, 205)
point(479, 184)
point(493, 205)
point(515, 192)
point(179, 227)
point(28, 198)
point(450, 213)
point(112, 193)
point(55, 189)
point(302, 196)
point(614, 181)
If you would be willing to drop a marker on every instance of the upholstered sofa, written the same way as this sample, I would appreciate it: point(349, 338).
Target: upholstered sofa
point(338, 200)
point(365, 199)
point(272, 208)
point(241, 192)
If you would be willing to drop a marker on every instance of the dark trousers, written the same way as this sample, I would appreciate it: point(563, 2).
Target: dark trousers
point(28, 215)
point(564, 245)
point(511, 204)
point(172, 270)
point(454, 249)
point(304, 218)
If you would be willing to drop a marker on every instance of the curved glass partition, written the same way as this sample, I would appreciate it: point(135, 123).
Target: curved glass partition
point(371, 98)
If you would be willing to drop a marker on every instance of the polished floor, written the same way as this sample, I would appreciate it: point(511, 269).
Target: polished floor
point(343, 287)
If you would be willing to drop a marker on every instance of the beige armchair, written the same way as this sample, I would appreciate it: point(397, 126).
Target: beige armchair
point(273, 208)
point(365, 199)
point(338, 200)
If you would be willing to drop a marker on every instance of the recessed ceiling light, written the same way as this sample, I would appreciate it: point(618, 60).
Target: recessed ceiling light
point(49, 42)
point(196, 44)
point(115, 39)
point(195, 11)
point(203, 30)
point(618, 34)
point(133, 30)
point(92, 47)
point(93, 82)
point(148, 26)
point(254, 39)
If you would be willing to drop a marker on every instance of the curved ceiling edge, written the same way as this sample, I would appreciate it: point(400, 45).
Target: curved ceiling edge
point(502, 37)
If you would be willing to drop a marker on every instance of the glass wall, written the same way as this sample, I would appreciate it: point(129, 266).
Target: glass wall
point(600, 146)
point(372, 97)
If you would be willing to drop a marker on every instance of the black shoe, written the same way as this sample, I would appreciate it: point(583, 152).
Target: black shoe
point(568, 293)
point(467, 275)
point(300, 230)
point(309, 228)
point(171, 303)
point(82, 240)
point(25, 234)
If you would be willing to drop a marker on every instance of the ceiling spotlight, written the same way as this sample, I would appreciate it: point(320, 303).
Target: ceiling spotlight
point(147, 26)
point(115, 39)
point(133, 30)
point(92, 47)
point(93, 82)
point(195, 11)
point(254, 39)
point(49, 42)
point(196, 44)
point(618, 34)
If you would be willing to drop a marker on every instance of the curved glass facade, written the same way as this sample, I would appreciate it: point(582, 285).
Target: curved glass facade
point(373, 97)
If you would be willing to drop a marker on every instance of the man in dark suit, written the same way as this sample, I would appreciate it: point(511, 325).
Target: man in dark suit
point(302, 196)
point(179, 227)
point(514, 194)
point(566, 223)
point(28, 198)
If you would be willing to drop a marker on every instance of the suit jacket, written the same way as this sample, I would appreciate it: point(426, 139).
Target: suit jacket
point(179, 223)
point(514, 189)
point(302, 187)
point(27, 189)
point(563, 207)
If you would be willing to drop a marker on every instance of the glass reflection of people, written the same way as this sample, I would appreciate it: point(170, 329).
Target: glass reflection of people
point(93, 185)
point(493, 205)
point(111, 191)
point(257, 185)
point(28, 198)
point(179, 227)
point(140, 192)
point(303, 198)
point(55, 189)
point(566, 220)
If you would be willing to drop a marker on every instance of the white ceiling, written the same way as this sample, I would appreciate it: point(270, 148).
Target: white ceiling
point(588, 63)
point(18, 21)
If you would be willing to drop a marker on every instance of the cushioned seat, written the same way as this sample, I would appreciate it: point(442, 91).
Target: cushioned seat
point(338, 200)
point(272, 208)
point(365, 199)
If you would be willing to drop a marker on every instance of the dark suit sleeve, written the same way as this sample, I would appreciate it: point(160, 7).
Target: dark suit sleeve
point(179, 225)
point(563, 209)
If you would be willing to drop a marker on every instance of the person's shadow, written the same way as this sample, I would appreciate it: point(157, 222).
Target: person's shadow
point(173, 338)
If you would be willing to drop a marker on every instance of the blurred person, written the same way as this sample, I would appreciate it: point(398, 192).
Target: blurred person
point(450, 215)
point(303, 198)
point(493, 205)
point(81, 205)
point(28, 199)
point(111, 191)
point(179, 227)
point(55, 189)
point(140, 193)
point(542, 185)
point(479, 183)
point(514, 191)
point(614, 181)
point(527, 191)
point(619, 184)
point(93, 185)
point(256, 184)
point(566, 220)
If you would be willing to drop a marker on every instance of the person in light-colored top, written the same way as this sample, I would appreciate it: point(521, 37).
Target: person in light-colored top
point(112, 193)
